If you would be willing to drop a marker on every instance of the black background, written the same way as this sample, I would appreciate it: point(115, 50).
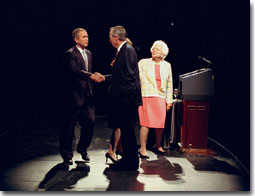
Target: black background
point(35, 34)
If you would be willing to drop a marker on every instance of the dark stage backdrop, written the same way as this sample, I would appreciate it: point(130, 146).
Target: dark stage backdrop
point(35, 34)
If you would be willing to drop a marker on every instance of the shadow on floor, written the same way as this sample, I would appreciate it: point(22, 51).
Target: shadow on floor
point(123, 181)
point(212, 164)
point(162, 167)
point(60, 178)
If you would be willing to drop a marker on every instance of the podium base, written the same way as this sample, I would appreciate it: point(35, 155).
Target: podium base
point(204, 152)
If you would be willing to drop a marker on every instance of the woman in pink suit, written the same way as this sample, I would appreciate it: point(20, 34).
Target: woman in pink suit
point(157, 94)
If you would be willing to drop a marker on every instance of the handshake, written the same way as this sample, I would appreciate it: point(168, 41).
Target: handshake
point(97, 77)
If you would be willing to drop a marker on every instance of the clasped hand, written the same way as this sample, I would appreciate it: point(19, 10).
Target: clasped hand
point(97, 77)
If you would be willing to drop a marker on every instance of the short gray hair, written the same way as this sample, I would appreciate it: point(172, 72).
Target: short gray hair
point(165, 49)
point(120, 32)
point(76, 32)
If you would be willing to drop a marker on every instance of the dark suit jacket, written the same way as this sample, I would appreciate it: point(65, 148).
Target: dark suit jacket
point(79, 83)
point(126, 96)
point(125, 75)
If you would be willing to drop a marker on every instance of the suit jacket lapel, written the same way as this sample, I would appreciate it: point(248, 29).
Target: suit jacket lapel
point(79, 55)
point(122, 48)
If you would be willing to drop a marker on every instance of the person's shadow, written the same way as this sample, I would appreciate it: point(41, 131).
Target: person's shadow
point(123, 180)
point(60, 178)
point(161, 167)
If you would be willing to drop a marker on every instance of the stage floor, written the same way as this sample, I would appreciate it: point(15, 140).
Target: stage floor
point(30, 161)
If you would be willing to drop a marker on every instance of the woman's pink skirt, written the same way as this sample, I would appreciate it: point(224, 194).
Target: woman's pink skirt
point(152, 113)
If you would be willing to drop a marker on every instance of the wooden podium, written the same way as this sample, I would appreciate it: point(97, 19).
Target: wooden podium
point(194, 128)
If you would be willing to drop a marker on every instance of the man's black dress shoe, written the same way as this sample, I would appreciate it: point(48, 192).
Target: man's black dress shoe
point(85, 156)
point(68, 161)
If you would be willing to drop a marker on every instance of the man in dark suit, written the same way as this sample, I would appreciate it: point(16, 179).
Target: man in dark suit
point(125, 93)
point(78, 95)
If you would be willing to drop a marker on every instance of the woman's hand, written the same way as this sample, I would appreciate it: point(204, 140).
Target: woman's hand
point(168, 106)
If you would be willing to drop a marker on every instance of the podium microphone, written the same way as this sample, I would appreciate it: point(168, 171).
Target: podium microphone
point(204, 59)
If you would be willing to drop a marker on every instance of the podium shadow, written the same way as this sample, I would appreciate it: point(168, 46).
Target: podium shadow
point(206, 163)
point(60, 178)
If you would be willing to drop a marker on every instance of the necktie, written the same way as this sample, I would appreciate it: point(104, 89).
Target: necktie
point(85, 59)
point(113, 61)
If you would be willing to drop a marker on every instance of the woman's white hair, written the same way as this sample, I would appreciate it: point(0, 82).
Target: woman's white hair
point(165, 49)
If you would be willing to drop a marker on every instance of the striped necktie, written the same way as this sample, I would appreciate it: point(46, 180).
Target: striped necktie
point(113, 61)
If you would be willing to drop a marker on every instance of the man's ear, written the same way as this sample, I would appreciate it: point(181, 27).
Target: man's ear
point(76, 40)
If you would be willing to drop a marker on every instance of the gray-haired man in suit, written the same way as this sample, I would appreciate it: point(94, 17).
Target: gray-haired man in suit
point(125, 93)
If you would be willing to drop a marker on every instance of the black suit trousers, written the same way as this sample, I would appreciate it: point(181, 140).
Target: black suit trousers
point(85, 116)
point(125, 113)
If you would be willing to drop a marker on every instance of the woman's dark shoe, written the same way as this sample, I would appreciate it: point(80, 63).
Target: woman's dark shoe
point(107, 155)
point(155, 150)
point(143, 156)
